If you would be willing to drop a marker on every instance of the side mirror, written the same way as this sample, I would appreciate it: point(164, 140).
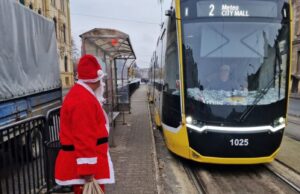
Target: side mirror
point(168, 12)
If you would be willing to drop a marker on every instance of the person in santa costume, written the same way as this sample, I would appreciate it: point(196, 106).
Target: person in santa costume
point(84, 153)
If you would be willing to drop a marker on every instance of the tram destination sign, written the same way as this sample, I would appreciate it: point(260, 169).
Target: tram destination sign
point(235, 8)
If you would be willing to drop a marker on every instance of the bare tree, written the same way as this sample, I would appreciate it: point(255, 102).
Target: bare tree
point(75, 55)
point(74, 51)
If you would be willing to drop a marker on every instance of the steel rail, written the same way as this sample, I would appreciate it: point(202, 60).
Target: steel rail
point(283, 179)
point(290, 168)
point(194, 179)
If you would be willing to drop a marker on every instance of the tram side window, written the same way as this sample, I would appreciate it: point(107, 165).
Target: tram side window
point(171, 65)
point(158, 79)
point(171, 110)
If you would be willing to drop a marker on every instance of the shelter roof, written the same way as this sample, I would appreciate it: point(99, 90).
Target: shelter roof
point(114, 43)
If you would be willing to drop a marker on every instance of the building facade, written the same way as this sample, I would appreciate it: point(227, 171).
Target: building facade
point(59, 12)
point(296, 42)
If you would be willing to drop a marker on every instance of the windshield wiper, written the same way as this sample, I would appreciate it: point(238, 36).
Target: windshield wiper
point(261, 94)
point(266, 89)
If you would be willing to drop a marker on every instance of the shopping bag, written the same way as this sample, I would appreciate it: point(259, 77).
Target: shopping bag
point(92, 188)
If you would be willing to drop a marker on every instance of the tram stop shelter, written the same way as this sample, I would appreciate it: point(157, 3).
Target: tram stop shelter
point(109, 46)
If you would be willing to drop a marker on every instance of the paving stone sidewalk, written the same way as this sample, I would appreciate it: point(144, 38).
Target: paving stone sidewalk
point(133, 152)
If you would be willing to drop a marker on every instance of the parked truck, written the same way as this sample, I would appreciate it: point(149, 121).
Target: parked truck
point(29, 69)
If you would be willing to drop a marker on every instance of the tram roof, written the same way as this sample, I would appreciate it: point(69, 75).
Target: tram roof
point(113, 42)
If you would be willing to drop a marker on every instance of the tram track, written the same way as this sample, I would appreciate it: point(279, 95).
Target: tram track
point(240, 179)
point(289, 167)
point(195, 180)
point(285, 180)
point(285, 173)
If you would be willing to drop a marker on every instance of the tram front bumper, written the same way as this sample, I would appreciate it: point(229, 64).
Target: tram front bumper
point(233, 147)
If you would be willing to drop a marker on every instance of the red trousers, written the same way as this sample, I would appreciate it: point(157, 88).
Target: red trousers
point(78, 189)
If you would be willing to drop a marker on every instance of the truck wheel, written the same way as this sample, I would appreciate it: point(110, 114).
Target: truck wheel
point(34, 144)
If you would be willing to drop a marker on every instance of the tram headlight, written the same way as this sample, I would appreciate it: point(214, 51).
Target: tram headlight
point(281, 120)
point(189, 119)
point(278, 121)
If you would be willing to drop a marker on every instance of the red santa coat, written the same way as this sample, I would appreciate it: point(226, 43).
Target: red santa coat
point(83, 122)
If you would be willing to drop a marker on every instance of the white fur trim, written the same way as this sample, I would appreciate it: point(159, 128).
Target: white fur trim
point(82, 181)
point(70, 182)
point(81, 82)
point(111, 170)
point(109, 180)
point(91, 80)
point(101, 74)
point(86, 160)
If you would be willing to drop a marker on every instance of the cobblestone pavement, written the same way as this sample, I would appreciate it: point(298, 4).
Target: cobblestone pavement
point(133, 152)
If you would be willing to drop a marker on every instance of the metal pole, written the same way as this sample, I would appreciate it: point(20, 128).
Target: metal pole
point(127, 80)
point(122, 77)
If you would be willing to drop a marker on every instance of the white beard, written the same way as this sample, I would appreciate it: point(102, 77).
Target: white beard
point(99, 92)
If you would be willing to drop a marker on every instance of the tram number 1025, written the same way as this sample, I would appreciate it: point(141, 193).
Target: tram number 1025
point(239, 142)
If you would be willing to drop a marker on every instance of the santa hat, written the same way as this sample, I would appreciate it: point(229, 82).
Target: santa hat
point(89, 70)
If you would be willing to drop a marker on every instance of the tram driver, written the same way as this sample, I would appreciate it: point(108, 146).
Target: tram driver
point(224, 80)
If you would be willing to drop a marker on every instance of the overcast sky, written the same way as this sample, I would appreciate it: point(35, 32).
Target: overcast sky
point(139, 18)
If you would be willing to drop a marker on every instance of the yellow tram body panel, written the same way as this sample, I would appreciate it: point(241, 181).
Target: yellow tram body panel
point(157, 117)
point(177, 142)
point(199, 158)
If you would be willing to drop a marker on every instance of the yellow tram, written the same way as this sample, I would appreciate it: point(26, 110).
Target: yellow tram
point(219, 79)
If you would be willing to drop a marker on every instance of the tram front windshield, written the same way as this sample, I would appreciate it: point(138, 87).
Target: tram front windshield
point(235, 61)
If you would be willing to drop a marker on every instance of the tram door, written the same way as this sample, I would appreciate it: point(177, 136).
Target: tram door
point(171, 111)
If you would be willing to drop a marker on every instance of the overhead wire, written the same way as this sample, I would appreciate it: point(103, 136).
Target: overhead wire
point(116, 19)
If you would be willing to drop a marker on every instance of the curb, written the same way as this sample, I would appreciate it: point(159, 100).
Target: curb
point(293, 119)
point(294, 115)
point(295, 96)
point(155, 159)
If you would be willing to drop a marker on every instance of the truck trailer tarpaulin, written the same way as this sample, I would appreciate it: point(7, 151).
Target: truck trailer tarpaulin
point(28, 52)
